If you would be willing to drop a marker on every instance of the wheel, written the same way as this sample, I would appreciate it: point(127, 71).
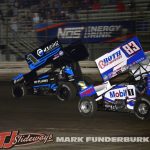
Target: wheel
point(18, 91)
point(87, 80)
point(66, 91)
point(142, 109)
point(87, 106)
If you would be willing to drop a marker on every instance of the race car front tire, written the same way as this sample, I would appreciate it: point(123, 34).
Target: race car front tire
point(87, 106)
point(18, 90)
point(66, 91)
point(142, 108)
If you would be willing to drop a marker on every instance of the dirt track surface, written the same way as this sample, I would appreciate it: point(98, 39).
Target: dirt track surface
point(45, 114)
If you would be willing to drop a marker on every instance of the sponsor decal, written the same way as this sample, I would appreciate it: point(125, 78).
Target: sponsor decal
point(87, 32)
point(110, 59)
point(129, 48)
point(41, 52)
point(121, 92)
point(73, 32)
point(87, 92)
point(100, 31)
point(41, 81)
point(14, 138)
point(116, 94)
point(46, 52)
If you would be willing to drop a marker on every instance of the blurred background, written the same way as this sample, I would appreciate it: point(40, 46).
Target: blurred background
point(100, 24)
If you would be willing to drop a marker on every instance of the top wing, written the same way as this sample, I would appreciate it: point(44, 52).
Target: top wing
point(53, 53)
point(45, 54)
point(120, 59)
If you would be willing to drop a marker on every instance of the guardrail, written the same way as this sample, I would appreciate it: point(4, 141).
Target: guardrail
point(87, 67)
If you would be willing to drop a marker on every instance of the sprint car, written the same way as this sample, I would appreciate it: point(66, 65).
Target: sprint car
point(63, 78)
point(132, 94)
point(140, 76)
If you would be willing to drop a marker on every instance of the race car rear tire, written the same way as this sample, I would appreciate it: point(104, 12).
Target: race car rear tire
point(87, 106)
point(142, 108)
point(66, 91)
point(18, 90)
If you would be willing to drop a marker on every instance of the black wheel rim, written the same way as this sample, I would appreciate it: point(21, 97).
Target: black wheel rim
point(17, 91)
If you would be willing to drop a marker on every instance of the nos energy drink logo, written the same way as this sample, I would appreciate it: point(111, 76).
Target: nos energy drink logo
point(117, 94)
